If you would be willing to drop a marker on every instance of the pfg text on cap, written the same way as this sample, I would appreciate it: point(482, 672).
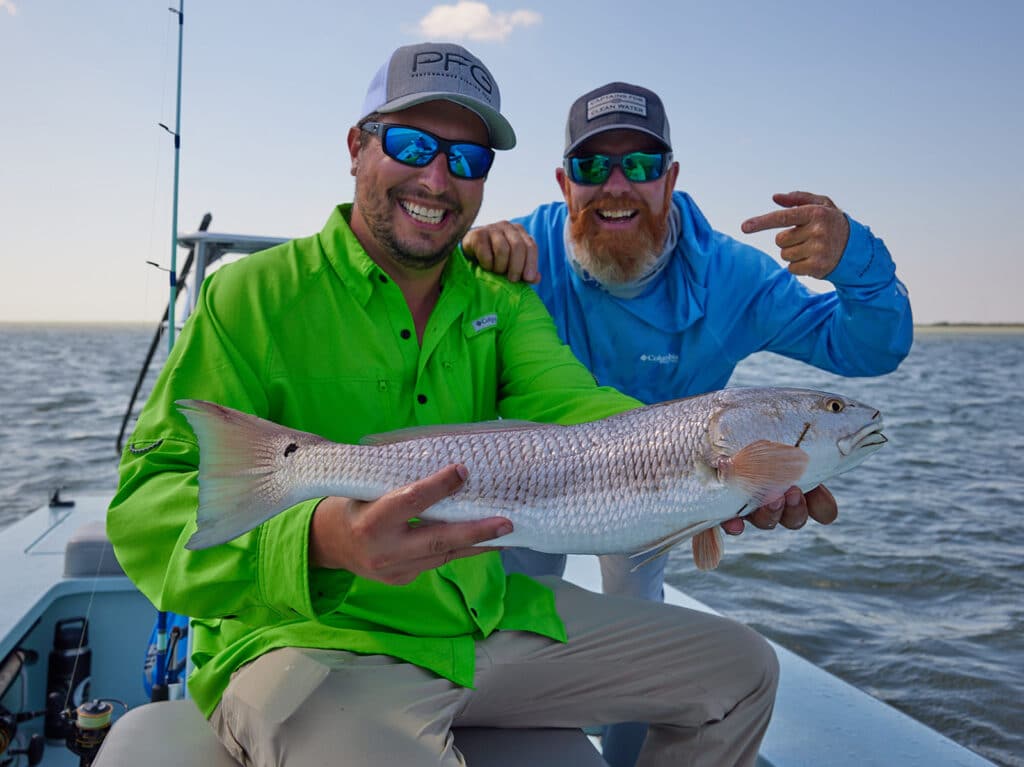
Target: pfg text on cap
point(415, 74)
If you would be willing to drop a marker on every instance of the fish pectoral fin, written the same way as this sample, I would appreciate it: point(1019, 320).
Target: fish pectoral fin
point(764, 470)
point(661, 546)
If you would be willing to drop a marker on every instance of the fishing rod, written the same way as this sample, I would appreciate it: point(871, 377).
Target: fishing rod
point(172, 272)
point(203, 226)
point(160, 661)
point(177, 165)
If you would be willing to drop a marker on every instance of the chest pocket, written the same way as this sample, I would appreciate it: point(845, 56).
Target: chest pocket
point(466, 369)
point(352, 404)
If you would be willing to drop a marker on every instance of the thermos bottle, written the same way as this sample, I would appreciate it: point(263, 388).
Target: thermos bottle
point(68, 674)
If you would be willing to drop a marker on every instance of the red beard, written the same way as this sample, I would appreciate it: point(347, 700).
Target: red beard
point(616, 257)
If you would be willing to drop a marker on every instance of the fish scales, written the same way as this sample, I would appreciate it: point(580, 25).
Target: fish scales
point(622, 484)
point(553, 481)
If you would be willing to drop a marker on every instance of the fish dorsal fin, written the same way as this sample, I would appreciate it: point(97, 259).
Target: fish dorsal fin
point(764, 469)
point(451, 429)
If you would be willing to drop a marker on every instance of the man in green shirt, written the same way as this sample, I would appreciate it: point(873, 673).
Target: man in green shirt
point(336, 627)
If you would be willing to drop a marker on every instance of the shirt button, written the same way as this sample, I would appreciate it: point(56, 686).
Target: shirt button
point(421, 398)
point(405, 334)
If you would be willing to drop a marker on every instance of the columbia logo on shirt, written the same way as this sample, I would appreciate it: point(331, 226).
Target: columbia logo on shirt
point(660, 359)
point(487, 321)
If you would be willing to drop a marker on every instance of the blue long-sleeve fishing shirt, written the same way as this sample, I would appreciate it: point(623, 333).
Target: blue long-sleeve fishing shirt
point(718, 301)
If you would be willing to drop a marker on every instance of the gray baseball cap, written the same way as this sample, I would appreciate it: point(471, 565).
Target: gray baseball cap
point(616, 106)
point(414, 74)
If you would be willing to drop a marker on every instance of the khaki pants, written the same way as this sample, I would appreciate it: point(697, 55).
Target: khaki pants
point(705, 683)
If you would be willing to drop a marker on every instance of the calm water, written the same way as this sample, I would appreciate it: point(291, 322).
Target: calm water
point(916, 593)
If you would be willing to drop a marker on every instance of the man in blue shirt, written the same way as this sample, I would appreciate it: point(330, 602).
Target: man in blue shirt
point(660, 305)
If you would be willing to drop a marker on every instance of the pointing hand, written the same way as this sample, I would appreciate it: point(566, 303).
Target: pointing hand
point(817, 233)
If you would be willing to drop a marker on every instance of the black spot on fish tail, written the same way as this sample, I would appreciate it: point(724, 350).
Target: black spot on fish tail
point(290, 449)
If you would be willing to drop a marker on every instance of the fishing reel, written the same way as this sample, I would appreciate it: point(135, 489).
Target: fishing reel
point(10, 670)
point(9, 729)
point(88, 725)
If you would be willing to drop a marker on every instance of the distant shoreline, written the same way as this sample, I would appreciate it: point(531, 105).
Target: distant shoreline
point(970, 327)
point(928, 328)
point(21, 324)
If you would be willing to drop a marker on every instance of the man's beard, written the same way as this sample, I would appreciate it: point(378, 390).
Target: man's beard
point(377, 215)
point(617, 257)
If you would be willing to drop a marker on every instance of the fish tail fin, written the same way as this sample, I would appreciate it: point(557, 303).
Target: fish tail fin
point(707, 548)
point(239, 480)
point(764, 469)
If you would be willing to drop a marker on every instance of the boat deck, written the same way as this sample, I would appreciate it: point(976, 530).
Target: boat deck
point(818, 718)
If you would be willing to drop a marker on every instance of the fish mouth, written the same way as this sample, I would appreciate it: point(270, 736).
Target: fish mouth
point(869, 437)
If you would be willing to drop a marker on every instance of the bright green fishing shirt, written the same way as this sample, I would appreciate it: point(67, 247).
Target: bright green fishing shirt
point(314, 335)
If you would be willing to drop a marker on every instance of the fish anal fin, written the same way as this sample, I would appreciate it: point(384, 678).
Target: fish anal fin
point(764, 469)
point(707, 548)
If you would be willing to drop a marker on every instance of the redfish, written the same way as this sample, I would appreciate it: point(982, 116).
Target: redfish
point(636, 483)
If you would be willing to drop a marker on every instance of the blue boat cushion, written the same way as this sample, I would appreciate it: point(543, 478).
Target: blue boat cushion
point(89, 553)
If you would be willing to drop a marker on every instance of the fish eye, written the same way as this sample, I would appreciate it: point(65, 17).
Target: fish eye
point(834, 405)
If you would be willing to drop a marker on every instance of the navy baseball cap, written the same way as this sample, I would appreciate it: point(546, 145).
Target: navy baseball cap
point(415, 74)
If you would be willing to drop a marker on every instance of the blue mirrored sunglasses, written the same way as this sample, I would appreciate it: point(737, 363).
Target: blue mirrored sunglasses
point(418, 148)
point(638, 167)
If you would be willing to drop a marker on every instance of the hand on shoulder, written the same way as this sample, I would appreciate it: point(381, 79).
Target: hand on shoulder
point(503, 248)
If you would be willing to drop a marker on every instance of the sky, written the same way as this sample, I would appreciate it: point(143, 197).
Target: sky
point(909, 115)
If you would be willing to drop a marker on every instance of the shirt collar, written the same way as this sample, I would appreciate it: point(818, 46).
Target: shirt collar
point(359, 272)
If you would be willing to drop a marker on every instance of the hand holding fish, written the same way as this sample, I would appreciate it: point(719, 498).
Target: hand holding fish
point(791, 511)
point(503, 248)
point(817, 236)
point(373, 539)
